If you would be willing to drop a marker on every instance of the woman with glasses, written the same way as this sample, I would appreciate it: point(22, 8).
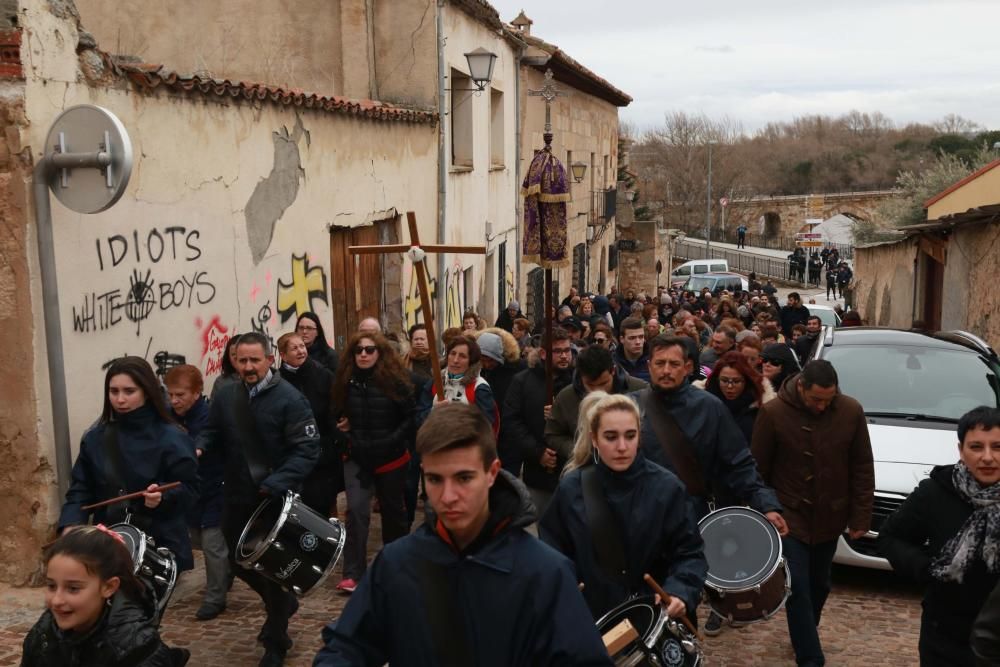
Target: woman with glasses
point(309, 328)
point(372, 401)
point(778, 363)
point(603, 335)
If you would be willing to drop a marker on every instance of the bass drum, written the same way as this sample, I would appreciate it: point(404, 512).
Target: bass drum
point(748, 580)
point(290, 544)
point(662, 641)
point(155, 567)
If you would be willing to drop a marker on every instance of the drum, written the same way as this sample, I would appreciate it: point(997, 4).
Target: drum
point(748, 579)
point(154, 566)
point(663, 642)
point(290, 544)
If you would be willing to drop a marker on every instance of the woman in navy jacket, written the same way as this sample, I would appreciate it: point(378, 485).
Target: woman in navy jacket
point(146, 448)
point(648, 506)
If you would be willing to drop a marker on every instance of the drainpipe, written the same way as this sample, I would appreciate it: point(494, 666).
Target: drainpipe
point(53, 329)
point(442, 166)
point(518, 217)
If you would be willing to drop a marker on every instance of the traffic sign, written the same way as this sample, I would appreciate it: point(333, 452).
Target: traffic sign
point(724, 202)
point(808, 236)
point(809, 244)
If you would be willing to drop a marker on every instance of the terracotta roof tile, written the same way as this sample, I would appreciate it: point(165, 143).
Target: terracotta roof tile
point(148, 77)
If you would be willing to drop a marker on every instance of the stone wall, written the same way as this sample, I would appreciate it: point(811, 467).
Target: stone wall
point(971, 300)
point(883, 283)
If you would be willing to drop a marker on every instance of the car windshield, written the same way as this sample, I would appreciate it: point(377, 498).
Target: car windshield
point(914, 380)
point(827, 317)
point(700, 283)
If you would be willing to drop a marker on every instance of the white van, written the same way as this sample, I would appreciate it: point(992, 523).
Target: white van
point(695, 267)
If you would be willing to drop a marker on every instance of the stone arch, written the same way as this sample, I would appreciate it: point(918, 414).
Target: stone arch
point(771, 224)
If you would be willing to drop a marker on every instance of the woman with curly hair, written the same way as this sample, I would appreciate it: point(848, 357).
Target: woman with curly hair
point(373, 402)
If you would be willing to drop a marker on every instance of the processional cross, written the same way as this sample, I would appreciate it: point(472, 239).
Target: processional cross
point(418, 256)
point(549, 93)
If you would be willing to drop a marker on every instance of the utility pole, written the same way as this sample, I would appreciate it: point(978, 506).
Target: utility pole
point(708, 214)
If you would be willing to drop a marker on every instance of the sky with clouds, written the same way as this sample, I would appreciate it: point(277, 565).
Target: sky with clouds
point(773, 60)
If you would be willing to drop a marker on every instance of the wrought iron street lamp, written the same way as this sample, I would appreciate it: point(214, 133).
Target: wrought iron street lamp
point(579, 170)
point(481, 63)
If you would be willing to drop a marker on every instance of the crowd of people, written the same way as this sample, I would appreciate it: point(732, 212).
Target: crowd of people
point(825, 263)
point(546, 509)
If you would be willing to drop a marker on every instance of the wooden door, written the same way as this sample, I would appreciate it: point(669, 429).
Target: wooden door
point(355, 281)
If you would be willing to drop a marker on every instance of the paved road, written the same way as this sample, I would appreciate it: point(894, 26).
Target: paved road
point(871, 618)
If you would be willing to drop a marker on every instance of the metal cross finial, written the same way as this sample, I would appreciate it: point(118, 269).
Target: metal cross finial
point(548, 92)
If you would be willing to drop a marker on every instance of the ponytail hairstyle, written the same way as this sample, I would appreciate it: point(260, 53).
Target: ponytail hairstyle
point(102, 554)
point(592, 408)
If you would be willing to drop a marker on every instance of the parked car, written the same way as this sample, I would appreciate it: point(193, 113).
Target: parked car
point(914, 387)
point(716, 282)
point(696, 267)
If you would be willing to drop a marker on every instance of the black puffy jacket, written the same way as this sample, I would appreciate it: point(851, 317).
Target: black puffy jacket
point(285, 427)
point(314, 381)
point(523, 422)
point(381, 427)
point(931, 516)
point(126, 636)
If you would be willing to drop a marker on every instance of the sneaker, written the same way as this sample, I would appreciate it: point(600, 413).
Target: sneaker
point(347, 585)
point(713, 626)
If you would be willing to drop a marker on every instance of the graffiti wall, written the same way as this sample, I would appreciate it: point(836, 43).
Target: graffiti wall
point(223, 230)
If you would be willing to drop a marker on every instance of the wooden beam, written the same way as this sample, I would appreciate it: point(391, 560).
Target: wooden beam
point(425, 305)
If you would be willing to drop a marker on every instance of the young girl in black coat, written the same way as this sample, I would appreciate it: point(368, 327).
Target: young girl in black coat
point(97, 612)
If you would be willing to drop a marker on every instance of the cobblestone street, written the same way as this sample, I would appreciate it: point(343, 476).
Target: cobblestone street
point(871, 618)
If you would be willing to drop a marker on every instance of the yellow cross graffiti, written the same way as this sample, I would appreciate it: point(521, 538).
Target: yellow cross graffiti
point(307, 283)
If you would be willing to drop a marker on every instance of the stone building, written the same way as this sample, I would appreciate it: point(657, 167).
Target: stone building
point(245, 194)
point(585, 129)
point(939, 273)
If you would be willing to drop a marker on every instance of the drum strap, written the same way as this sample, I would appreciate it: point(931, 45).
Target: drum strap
point(114, 472)
point(604, 534)
point(445, 616)
point(253, 448)
point(678, 448)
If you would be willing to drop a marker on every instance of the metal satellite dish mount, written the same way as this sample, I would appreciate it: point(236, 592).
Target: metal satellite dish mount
point(87, 163)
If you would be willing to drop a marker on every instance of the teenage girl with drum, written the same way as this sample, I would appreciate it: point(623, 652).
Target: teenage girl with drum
point(648, 519)
point(98, 614)
point(135, 446)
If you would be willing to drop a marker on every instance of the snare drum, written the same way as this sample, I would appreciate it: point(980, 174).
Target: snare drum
point(290, 544)
point(748, 579)
point(155, 566)
point(663, 642)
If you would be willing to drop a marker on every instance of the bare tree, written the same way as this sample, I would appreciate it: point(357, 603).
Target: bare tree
point(955, 124)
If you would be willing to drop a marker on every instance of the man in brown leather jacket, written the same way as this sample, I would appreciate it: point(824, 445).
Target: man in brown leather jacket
point(812, 447)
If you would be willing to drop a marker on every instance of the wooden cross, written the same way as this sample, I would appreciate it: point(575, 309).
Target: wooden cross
point(418, 255)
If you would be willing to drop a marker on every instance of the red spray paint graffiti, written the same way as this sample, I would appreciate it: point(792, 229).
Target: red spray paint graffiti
point(214, 339)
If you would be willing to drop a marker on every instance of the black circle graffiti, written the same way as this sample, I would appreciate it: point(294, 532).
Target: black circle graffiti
point(139, 301)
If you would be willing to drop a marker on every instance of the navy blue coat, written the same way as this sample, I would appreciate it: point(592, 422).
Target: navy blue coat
point(287, 430)
point(153, 451)
point(519, 599)
point(650, 509)
point(720, 447)
point(207, 511)
point(638, 368)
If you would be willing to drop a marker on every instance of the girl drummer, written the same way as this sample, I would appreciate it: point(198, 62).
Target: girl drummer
point(97, 612)
point(135, 446)
point(650, 522)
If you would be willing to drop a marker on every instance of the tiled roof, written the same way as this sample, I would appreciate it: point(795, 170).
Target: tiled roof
point(602, 86)
point(150, 77)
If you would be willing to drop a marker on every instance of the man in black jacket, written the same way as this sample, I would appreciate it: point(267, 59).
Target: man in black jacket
point(793, 313)
point(710, 441)
point(265, 458)
point(470, 586)
point(524, 413)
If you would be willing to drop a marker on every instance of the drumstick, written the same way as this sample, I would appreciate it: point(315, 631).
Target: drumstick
point(129, 496)
point(666, 598)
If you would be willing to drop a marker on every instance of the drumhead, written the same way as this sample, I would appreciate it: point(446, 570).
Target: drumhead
point(642, 612)
point(743, 549)
point(262, 529)
point(135, 541)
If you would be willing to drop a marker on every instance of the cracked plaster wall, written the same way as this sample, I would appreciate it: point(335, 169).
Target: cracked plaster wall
point(171, 267)
point(883, 284)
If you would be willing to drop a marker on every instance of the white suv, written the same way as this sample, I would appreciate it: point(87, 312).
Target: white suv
point(913, 387)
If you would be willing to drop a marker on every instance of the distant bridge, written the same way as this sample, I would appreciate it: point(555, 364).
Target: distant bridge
point(786, 215)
